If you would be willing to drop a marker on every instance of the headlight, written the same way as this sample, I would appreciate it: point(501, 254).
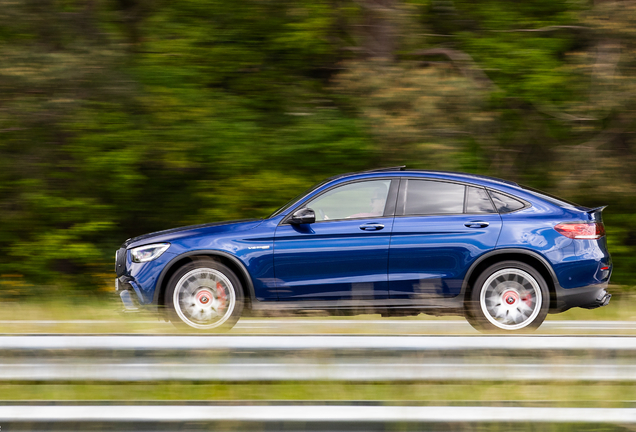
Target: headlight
point(148, 252)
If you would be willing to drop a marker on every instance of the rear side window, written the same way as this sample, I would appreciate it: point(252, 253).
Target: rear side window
point(425, 197)
point(477, 201)
point(505, 203)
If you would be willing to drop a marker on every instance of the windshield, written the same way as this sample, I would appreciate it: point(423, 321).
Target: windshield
point(551, 198)
point(296, 198)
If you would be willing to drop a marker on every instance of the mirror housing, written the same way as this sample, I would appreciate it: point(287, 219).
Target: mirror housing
point(303, 216)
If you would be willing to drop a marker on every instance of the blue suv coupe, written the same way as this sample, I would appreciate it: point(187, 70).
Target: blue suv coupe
point(392, 241)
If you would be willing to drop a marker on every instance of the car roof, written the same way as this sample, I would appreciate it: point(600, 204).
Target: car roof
point(401, 171)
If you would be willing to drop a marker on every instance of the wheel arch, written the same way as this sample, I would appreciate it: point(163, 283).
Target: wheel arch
point(531, 258)
point(223, 257)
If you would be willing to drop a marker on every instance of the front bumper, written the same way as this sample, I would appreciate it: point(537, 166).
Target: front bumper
point(129, 293)
point(130, 304)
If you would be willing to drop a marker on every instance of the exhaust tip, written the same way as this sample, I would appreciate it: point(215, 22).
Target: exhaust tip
point(606, 299)
point(603, 299)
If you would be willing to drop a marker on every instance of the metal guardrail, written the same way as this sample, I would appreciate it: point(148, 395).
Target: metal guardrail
point(302, 358)
point(317, 358)
point(312, 414)
point(268, 371)
point(333, 342)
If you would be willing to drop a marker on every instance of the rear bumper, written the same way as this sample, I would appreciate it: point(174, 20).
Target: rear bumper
point(589, 297)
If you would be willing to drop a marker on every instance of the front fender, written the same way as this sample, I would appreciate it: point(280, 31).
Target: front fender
point(173, 264)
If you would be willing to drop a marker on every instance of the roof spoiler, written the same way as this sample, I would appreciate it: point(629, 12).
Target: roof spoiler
point(596, 213)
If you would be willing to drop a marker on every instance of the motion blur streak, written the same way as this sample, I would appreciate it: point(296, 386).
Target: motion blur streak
point(122, 117)
point(125, 117)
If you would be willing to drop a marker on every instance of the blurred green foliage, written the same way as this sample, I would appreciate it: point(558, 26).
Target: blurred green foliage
point(120, 117)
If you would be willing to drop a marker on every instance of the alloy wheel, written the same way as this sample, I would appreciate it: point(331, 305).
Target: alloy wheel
point(511, 299)
point(204, 298)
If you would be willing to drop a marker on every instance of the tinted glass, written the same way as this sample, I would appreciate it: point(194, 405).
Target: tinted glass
point(351, 201)
point(431, 197)
point(477, 201)
point(505, 203)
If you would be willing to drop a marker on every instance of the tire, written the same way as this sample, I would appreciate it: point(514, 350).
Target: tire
point(204, 295)
point(508, 296)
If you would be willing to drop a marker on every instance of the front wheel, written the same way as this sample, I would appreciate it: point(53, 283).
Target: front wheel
point(508, 296)
point(204, 295)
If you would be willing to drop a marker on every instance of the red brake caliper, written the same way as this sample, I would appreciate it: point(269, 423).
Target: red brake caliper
point(220, 295)
point(527, 299)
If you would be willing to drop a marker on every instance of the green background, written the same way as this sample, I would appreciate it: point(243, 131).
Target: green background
point(119, 118)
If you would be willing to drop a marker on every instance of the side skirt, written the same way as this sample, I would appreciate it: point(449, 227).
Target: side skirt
point(398, 307)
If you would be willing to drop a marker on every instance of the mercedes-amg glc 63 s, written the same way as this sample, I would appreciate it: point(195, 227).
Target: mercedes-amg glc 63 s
point(392, 241)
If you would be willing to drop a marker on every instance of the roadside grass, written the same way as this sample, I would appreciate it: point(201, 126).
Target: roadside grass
point(520, 393)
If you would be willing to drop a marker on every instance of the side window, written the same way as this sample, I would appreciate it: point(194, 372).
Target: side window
point(477, 201)
point(505, 203)
point(351, 201)
point(424, 197)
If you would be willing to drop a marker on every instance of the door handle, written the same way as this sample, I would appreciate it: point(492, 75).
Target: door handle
point(476, 224)
point(371, 227)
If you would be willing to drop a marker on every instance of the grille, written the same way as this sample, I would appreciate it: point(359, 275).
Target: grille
point(120, 261)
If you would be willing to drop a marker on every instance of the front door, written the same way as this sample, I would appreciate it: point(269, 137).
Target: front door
point(344, 254)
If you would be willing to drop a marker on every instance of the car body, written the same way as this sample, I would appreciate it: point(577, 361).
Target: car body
point(389, 241)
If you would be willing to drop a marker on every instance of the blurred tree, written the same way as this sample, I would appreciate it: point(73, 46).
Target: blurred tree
point(123, 117)
point(425, 116)
point(119, 117)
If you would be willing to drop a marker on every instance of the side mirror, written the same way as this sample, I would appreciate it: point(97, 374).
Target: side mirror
point(303, 216)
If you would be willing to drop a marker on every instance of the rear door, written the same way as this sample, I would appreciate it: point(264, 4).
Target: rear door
point(439, 230)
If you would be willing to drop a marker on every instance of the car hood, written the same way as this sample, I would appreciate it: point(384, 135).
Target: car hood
point(192, 230)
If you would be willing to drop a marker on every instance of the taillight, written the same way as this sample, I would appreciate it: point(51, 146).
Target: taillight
point(587, 231)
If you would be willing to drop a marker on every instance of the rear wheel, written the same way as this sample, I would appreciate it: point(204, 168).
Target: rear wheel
point(508, 296)
point(204, 295)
